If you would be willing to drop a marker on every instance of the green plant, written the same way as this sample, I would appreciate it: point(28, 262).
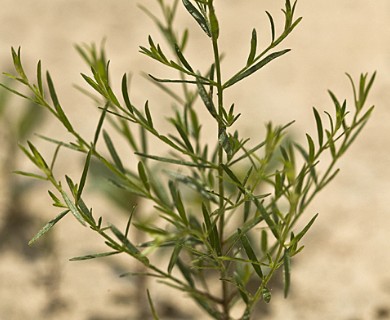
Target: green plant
point(227, 210)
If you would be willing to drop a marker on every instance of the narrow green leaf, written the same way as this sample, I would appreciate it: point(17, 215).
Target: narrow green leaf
point(330, 121)
point(195, 126)
point(73, 209)
point(367, 89)
point(87, 213)
point(271, 20)
point(186, 272)
point(253, 50)
point(72, 186)
point(182, 59)
point(37, 158)
point(311, 148)
point(84, 175)
point(166, 89)
point(208, 102)
point(93, 84)
point(200, 187)
point(211, 230)
point(31, 175)
point(71, 146)
point(131, 249)
point(174, 256)
point(362, 122)
point(142, 120)
point(353, 89)
point(84, 54)
point(176, 80)
point(113, 153)
point(184, 40)
point(18, 64)
point(27, 153)
point(147, 52)
point(180, 208)
point(286, 272)
point(94, 256)
point(148, 115)
point(129, 221)
point(247, 72)
point(174, 161)
point(111, 96)
point(288, 13)
point(125, 94)
point(144, 140)
point(47, 227)
point(335, 101)
point(278, 184)
point(301, 178)
point(250, 253)
point(340, 115)
point(241, 288)
point(100, 124)
point(247, 208)
point(152, 309)
point(249, 152)
point(197, 15)
point(14, 91)
point(300, 235)
point(320, 130)
point(178, 67)
point(233, 177)
point(184, 137)
point(173, 190)
point(161, 54)
point(334, 174)
point(55, 155)
point(56, 202)
point(148, 228)
point(159, 189)
point(361, 96)
point(331, 144)
point(111, 244)
point(267, 217)
point(39, 77)
point(143, 176)
point(362, 84)
point(60, 112)
point(264, 241)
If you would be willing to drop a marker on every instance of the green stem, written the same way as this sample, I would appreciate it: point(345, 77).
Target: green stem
point(221, 190)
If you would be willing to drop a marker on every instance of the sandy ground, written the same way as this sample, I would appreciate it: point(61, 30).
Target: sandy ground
point(343, 273)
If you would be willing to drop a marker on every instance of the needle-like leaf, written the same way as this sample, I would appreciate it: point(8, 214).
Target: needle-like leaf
point(198, 16)
point(249, 71)
point(47, 227)
point(252, 52)
point(250, 253)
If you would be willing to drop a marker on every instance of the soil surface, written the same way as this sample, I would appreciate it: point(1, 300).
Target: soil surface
point(342, 274)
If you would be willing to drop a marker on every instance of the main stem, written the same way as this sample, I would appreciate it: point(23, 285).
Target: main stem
point(221, 190)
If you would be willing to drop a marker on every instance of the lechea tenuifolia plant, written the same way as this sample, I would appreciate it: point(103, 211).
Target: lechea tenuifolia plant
point(227, 209)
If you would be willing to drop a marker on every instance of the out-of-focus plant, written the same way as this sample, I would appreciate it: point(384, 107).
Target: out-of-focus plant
point(236, 232)
point(15, 128)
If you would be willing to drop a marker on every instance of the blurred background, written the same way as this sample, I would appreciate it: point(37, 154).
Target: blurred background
point(343, 272)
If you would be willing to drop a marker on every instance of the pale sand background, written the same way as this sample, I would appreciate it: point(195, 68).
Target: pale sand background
point(343, 273)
